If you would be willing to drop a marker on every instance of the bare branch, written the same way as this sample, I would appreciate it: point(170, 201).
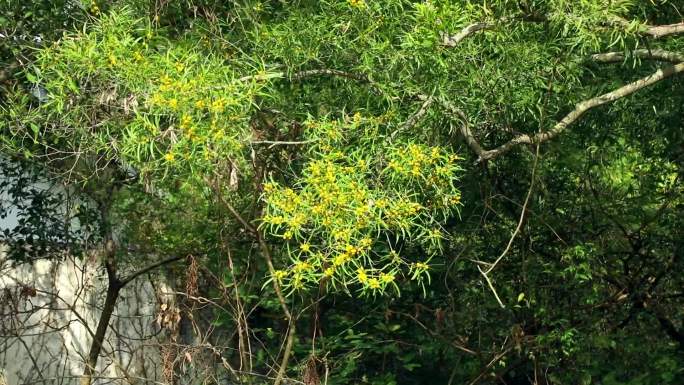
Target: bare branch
point(330, 72)
point(653, 54)
point(453, 40)
point(658, 31)
point(149, 268)
point(274, 143)
point(307, 73)
point(465, 126)
point(413, 119)
point(581, 109)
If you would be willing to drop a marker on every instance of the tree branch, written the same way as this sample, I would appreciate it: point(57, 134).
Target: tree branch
point(453, 40)
point(307, 73)
point(581, 109)
point(149, 268)
point(658, 31)
point(464, 129)
point(654, 54)
point(413, 119)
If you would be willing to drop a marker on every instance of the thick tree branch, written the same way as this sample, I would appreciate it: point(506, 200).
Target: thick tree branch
point(464, 128)
point(658, 31)
point(653, 54)
point(308, 73)
point(581, 109)
point(113, 288)
point(453, 40)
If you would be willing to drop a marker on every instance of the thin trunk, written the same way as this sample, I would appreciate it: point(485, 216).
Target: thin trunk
point(113, 289)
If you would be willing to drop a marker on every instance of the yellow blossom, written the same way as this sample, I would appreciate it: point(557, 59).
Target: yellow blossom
point(360, 4)
point(357, 116)
point(422, 266)
point(365, 243)
point(373, 283)
point(386, 278)
point(217, 105)
point(361, 275)
point(170, 157)
point(301, 266)
point(279, 274)
point(350, 249)
point(340, 259)
point(305, 247)
point(185, 121)
point(329, 272)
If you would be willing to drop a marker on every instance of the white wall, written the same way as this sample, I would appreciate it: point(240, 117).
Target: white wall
point(43, 334)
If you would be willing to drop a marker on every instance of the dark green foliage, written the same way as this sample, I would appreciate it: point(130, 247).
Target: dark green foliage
point(592, 284)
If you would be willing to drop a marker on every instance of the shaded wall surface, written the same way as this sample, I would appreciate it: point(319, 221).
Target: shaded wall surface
point(49, 311)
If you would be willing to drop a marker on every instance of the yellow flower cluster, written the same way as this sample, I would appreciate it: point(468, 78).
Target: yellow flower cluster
point(360, 4)
point(345, 201)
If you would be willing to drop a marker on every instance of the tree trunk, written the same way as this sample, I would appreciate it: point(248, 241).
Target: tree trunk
point(113, 288)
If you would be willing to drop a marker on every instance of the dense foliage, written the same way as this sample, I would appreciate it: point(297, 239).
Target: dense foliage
point(394, 192)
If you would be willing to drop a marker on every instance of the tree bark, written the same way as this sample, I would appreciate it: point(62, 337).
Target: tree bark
point(113, 288)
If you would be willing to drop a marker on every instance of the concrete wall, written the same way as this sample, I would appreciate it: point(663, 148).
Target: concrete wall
point(46, 309)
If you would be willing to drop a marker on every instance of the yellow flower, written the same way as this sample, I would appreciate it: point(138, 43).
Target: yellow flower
point(329, 272)
point(361, 275)
point(156, 99)
point(422, 266)
point(173, 103)
point(288, 234)
point(365, 243)
point(350, 250)
point(434, 154)
point(200, 104)
point(185, 121)
point(279, 274)
point(373, 283)
point(279, 220)
point(357, 115)
point(318, 209)
point(170, 157)
point(112, 59)
point(180, 66)
point(386, 278)
point(217, 105)
point(360, 4)
point(297, 281)
point(305, 247)
point(340, 259)
point(301, 266)
point(138, 56)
